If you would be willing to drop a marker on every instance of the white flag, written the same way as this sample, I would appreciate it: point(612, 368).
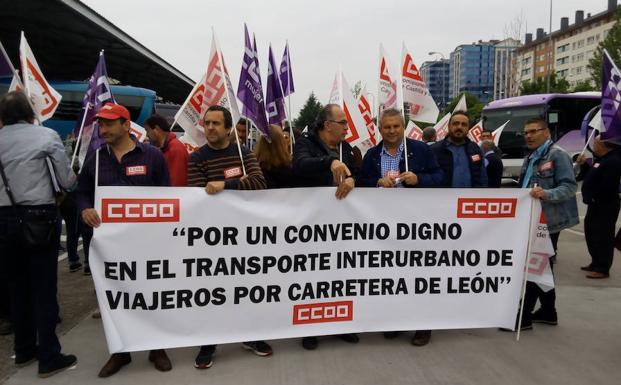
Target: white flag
point(44, 98)
point(421, 106)
point(461, 105)
point(413, 131)
point(335, 93)
point(189, 144)
point(475, 132)
point(387, 84)
point(541, 250)
point(214, 88)
point(357, 133)
point(367, 114)
point(497, 132)
point(442, 127)
point(138, 131)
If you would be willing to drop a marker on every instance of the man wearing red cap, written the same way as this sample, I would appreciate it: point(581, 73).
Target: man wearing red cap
point(123, 161)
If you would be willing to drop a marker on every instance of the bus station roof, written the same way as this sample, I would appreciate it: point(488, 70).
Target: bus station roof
point(66, 37)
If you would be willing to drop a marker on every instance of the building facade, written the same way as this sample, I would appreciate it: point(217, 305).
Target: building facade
point(504, 55)
point(566, 52)
point(472, 70)
point(436, 77)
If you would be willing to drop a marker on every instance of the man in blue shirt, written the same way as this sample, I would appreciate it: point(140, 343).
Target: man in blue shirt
point(460, 158)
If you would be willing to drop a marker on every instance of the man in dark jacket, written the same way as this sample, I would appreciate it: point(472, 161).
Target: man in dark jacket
point(493, 164)
point(322, 157)
point(600, 192)
point(459, 157)
point(384, 164)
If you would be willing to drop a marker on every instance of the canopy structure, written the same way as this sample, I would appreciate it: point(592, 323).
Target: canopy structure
point(66, 37)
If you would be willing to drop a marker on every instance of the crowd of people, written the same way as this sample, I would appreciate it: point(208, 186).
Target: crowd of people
point(30, 221)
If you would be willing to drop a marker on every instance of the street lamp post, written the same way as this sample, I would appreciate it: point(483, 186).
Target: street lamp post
point(442, 75)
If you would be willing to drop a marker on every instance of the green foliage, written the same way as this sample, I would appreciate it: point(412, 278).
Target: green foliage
point(474, 107)
point(308, 113)
point(612, 43)
point(584, 86)
point(539, 86)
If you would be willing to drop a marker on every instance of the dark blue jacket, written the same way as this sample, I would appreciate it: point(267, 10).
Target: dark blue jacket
point(311, 161)
point(444, 156)
point(421, 162)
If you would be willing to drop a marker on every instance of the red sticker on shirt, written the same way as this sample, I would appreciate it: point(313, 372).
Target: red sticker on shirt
point(136, 170)
point(546, 166)
point(476, 158)
point(595, 165)
point(232, 172)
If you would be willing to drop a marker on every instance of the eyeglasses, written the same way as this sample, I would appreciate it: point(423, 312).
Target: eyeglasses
point(532, 132)
point(341, 122)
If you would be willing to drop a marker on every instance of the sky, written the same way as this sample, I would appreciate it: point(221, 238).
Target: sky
point(325, 34)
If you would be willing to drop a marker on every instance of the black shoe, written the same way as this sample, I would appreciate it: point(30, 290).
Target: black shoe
point(87, 270)
point(58, 364)
point(391, 335)
point(588, 267)
point(526, 325)
point(310, 343)
point(350, 338)
point(421, 337)
point(542, 316)
point(204, 359)
point(260, 348)
point(74, 267)
point(23, 360)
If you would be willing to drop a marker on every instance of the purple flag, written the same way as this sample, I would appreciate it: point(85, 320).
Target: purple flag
point(611, 100)
point(97, 94)
point(250, 91)
point(286, 74)
point(275, 101)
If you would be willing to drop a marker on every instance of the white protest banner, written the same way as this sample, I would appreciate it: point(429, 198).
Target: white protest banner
point(258, 265)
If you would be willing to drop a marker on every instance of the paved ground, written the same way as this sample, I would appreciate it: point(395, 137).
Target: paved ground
point(582, 349)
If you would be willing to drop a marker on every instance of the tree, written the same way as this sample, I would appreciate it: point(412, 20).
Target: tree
point(539, 86)
point(308, 113)
point(585, 85)
point(612, 43)
point(473, 103)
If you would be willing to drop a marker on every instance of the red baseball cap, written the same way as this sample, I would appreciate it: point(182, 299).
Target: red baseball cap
point(113, 111)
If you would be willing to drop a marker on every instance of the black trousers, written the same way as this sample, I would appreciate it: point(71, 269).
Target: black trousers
point(599, 231)
point(32, 277)
point(534, 292)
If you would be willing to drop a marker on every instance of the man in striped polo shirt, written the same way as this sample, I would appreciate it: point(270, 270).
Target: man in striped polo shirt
point(217, 166)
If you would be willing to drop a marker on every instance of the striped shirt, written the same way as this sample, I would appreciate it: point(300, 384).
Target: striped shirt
point(210, 165)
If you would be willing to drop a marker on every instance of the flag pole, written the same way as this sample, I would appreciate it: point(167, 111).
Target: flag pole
point(587, 144)
point(290, 76)
point(78, 140)
point(530, 233)
point(226, 89)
